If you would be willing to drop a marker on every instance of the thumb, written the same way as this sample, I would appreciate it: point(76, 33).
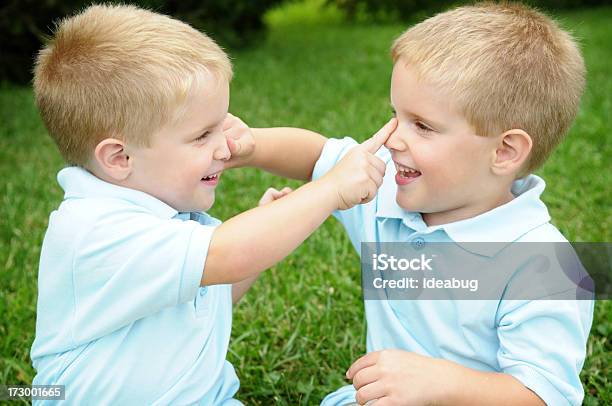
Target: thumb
point(374, 143)
point(229, 121)
point(233, 145)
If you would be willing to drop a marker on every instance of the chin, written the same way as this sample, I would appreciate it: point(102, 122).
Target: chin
point(201, 205)
point(405, 203)
point(207, 205)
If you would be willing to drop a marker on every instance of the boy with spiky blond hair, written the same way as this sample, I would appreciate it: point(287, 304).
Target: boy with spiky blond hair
point(482, 95)
point(136, 282)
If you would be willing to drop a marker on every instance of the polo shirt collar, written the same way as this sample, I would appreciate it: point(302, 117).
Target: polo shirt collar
point(79, 183)
point(505, 223)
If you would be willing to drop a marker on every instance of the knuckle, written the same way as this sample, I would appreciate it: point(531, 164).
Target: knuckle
point(358, 380)
point(386, 386)
point(360, 397)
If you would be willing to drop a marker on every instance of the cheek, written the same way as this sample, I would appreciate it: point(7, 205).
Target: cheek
point(460, 155)
point(434, 157)
point(197, 159)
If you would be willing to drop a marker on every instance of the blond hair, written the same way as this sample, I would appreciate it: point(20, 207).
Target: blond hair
point(505, 66)
point(119, 71)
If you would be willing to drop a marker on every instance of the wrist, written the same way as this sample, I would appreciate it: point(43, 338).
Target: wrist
point(454, 385)
point(328, 193)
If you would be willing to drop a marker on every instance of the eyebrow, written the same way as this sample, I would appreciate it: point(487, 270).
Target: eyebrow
point(433, 123)
point(207, 127)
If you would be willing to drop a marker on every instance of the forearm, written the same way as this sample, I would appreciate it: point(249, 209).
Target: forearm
point(240, 288)
point(471, 387)
point(284, 151)
point(259, 238)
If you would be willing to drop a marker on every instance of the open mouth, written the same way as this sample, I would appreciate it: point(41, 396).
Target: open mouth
point(211, 179)
point(406, 171)
point(406, 174)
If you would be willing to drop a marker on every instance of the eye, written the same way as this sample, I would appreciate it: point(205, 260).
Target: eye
point(202, 137)
point(422, 127)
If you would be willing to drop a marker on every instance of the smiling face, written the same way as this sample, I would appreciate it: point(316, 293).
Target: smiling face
point(183, 163)
point(443, 167)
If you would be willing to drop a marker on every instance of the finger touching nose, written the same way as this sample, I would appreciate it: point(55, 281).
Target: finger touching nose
point(395, 142)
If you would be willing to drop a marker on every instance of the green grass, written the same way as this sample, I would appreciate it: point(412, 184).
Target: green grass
point(302, 324)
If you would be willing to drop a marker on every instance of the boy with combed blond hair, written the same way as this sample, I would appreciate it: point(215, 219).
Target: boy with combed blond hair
point(136, 282)
point(482, 95)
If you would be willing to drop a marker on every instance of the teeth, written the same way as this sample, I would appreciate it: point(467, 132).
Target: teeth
point(405, 170)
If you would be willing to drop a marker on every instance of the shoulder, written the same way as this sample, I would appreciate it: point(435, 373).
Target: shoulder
point(85, 213)
point(110, 225)
point(543, 233)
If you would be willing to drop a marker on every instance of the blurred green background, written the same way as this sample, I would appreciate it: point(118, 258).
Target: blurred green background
point(25, 24)
point(314, 64)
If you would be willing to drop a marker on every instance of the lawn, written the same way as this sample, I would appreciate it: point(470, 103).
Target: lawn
point(302, 324)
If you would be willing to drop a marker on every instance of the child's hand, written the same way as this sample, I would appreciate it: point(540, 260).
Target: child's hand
point(239, 139)
point(359, 174)
point(395, 377)
point(272, 194)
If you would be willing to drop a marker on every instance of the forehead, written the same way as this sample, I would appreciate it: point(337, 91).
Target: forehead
point(208, 98)
point(205, 106)
point(408, 86)
point(412, 93)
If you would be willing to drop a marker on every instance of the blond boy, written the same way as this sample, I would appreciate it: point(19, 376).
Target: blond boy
point(136, 282)
point(482, 94)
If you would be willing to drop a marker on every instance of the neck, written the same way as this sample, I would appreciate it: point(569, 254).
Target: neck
point(467, 211)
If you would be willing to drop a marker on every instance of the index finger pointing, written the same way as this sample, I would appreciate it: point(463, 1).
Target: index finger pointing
point(374, 143)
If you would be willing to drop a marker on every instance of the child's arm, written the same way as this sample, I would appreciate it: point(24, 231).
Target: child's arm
point(287, 152)
point(284, 151)
point(259, 238)
point(240, 288)
point(533, 369)
point(402, 377)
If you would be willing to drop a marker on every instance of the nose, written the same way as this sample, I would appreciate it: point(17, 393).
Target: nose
point(222, 152)
point(395, 142)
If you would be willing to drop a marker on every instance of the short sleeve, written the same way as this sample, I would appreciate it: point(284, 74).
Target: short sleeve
point(342, 397)
point(131, 266)
point(543, 345)
point(333, 151)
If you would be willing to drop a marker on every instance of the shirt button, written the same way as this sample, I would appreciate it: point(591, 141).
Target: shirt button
point(418, 242)
point(203, 291)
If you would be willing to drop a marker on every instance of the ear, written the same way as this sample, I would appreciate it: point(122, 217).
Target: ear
point(112, 159)
point(512, 152)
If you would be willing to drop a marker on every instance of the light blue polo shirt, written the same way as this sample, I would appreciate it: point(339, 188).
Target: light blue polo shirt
point(541, 342)
point(121, 317)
